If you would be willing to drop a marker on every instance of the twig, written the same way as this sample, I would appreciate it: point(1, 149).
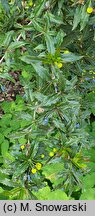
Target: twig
point(1, 60)
point(18, 38)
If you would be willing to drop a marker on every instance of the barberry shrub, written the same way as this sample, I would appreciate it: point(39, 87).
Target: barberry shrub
point(47, 130)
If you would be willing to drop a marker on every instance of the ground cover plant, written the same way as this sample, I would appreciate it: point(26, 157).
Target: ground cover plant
point(47, 99)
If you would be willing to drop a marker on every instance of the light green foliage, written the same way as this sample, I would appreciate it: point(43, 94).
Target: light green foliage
point(46, 194)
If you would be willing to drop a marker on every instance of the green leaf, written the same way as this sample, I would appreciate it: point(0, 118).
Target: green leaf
point(16, 45)
point(9, 157)
point(89, 180)
point(1, 138)
point(7, 38)
point(70, 57)
point(37, 65)
point(59, 124)
point(47, 100)
point(20, 169)
point(1, 190)
point(5, 180)
point(1, 159)
point(30, 59)
point(40, 70)
point(51, 170)
point(59, 38)
point(58, 195)
point(69, 39)
point(4, 147)
point(88, 194)
point(39, 8)
point(35, 149)
point(77, 17)
point(25, 74)
point(43, 193)
point(46, 194)
point(7, 76)
point(84, 18)
point(22, 140)
point(37, 26)
point(55, 19)
point(6, 5)
point(39, 47)
point(50, 43)
point(20, 194)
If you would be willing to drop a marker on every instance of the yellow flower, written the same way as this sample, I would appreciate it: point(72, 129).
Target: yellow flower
point(33, 170)
point(42, 155)
point(66, 51)
point(89, 10)
point(22, 147)
point(54, 150)
point(51, 154)
point(59, 64)
point(38, 166)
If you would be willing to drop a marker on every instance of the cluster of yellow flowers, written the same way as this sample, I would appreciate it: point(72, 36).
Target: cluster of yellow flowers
point(38, 166)
point(51, 154)
point(59, 64)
